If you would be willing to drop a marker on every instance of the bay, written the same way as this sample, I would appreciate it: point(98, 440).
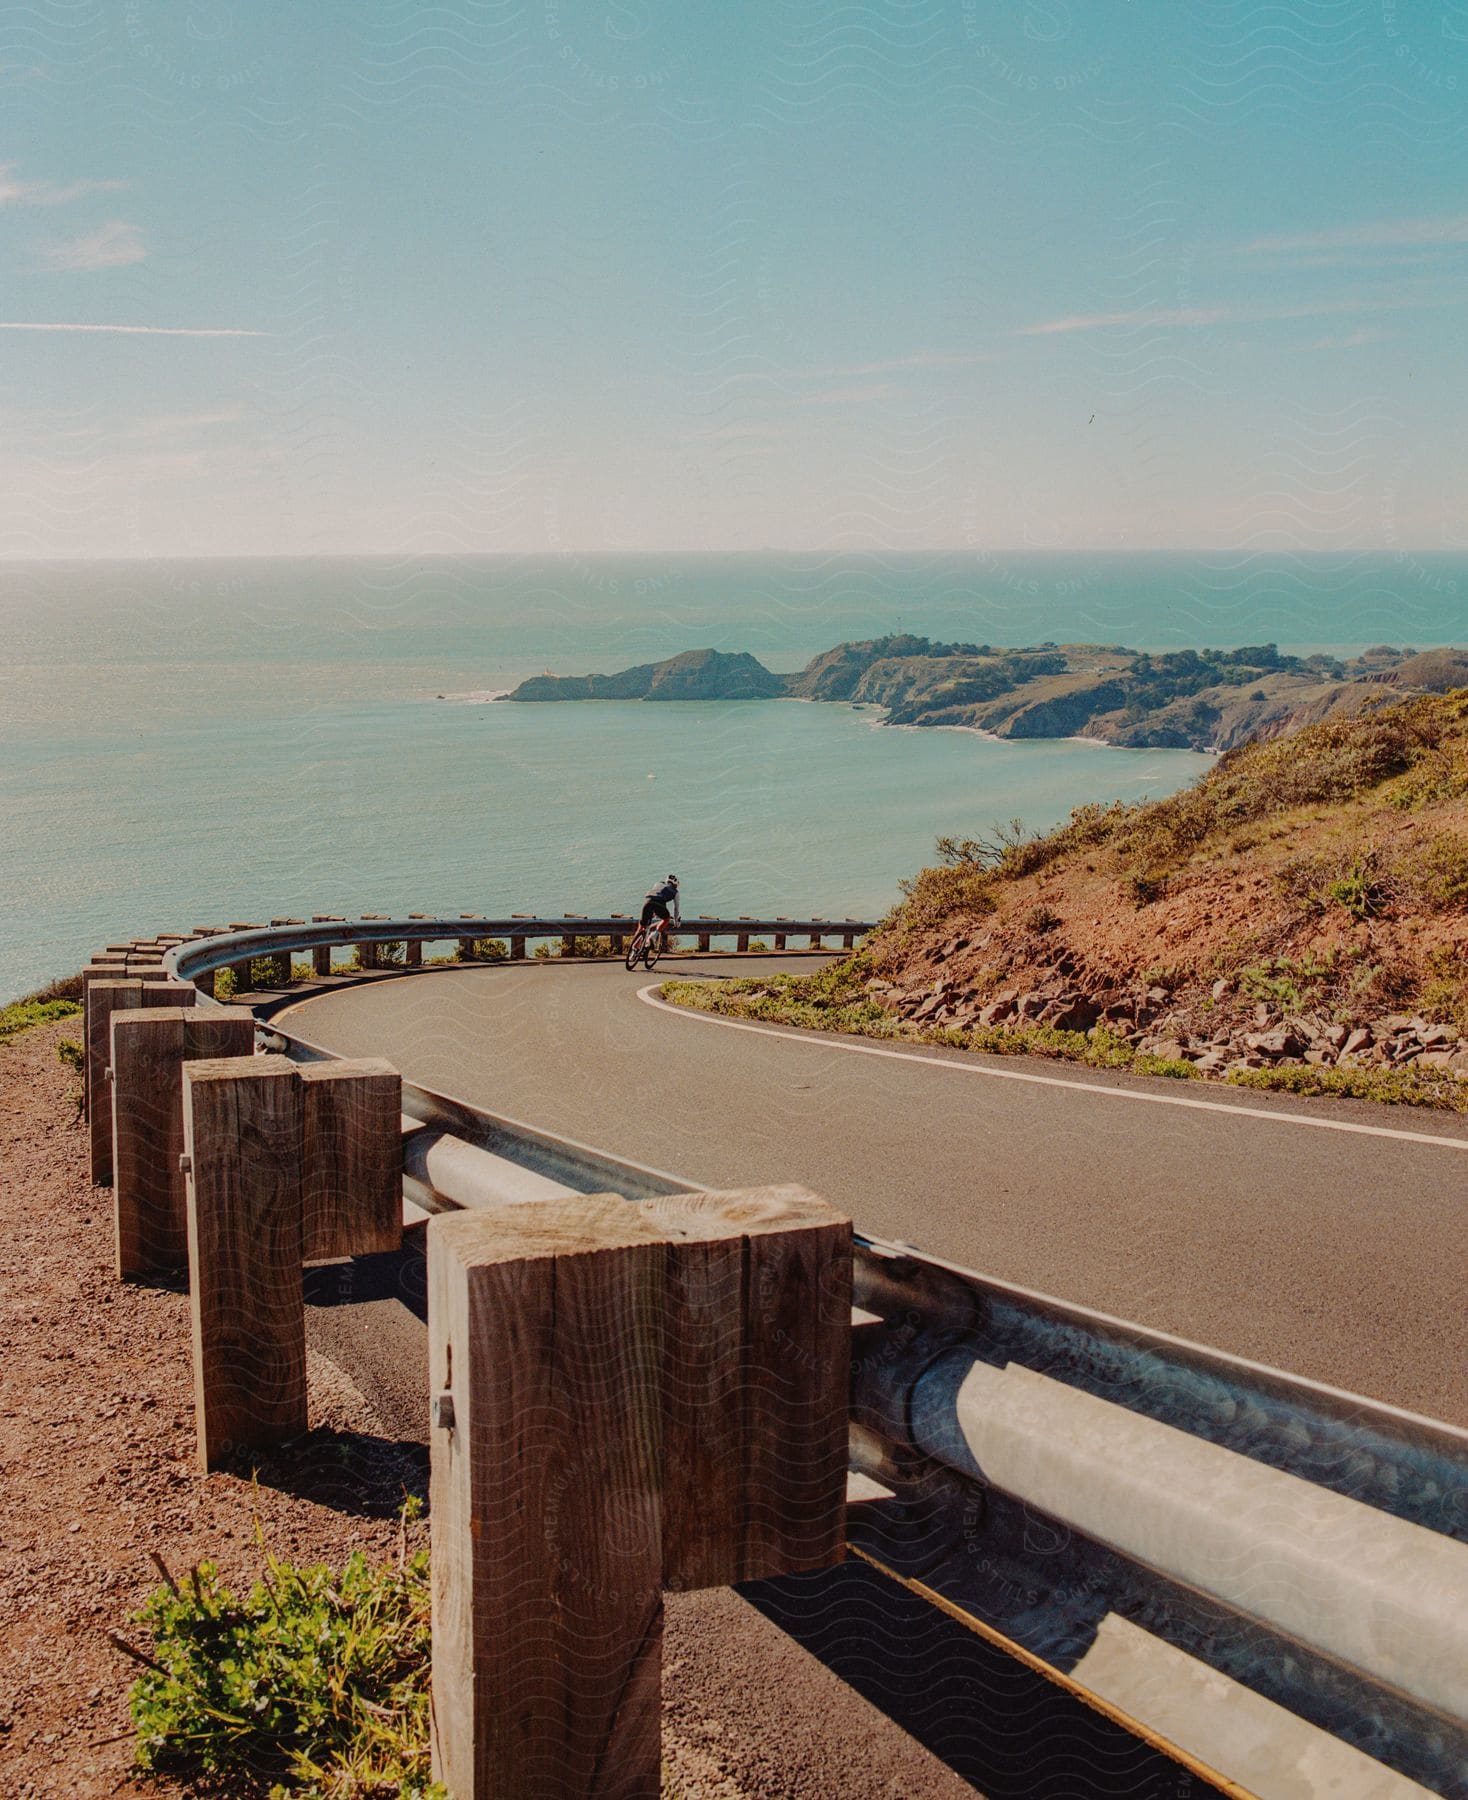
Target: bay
point(186, 743)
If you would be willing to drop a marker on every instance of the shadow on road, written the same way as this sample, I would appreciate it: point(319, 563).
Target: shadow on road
point(1013, 1734)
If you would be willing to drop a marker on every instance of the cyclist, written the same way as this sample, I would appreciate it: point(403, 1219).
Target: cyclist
point(658, 902)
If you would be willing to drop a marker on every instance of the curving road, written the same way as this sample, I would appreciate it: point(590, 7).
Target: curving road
point(1326, 1238)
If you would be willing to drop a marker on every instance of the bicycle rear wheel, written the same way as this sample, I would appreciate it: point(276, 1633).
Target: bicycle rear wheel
point(653, 949)
point(634, 950)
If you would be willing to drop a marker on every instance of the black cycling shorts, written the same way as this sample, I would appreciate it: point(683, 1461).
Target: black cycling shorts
point(654, 909)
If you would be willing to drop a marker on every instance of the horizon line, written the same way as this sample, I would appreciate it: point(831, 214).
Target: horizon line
point(540, 553)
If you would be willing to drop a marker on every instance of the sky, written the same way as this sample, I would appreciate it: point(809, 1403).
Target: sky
point(579, 275)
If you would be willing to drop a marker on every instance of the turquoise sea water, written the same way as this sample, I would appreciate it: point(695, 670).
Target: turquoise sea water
point(183, 744)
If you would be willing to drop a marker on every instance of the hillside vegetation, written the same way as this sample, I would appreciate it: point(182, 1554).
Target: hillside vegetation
point(1199, 699)
point(1297, 918)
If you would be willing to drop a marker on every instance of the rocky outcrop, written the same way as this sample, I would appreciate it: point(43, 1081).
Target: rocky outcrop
point(1147, 1021)
point(695, 675)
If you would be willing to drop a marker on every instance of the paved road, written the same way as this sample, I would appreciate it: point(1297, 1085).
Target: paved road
point(1254, 1223)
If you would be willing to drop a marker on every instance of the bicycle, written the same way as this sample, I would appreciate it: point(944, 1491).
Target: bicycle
point(648, 944)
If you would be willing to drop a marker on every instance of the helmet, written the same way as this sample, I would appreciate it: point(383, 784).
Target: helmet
point(673, 879)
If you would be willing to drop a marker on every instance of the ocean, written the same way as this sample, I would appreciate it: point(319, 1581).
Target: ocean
point(185, 743)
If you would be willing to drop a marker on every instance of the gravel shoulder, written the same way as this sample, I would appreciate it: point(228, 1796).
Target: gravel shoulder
point(96, 1454)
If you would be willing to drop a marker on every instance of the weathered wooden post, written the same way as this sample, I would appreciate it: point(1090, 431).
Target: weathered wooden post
point(624, 1399)
point(517, 943)
point(413, 947)
point(703, 936)
point(149, 1049)
point(756, 1380)
point(848, 939)
point(568, 939)
point(101, 999)
point(321, 953)
point(244, 1144)
point(618, 939)
point(545, 1359)
point(353, 1172)
point(368, 955)
point(815, 940)
point(780, 937)
point(741, 943)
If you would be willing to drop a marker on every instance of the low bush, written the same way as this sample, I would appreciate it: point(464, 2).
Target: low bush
point(20, 1015)
point(1288, 982)
point(1396, 1087)
point(486, 950)
point(315, 1685)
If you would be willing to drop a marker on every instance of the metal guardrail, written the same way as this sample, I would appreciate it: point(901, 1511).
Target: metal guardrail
point(212, 948)
point(1263, 1576)
point(1176, 1534)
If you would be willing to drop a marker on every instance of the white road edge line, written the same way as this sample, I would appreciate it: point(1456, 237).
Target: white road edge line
point(650, 997)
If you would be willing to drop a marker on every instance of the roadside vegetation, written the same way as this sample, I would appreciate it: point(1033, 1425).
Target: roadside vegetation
point(59, 999)
point(1297, 920)
point(315, 1684)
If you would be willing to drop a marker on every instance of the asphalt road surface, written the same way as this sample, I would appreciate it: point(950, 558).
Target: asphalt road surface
point(1326, 1238)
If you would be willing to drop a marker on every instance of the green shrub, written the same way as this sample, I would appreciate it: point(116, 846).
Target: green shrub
point(21, 1015)
point(1439, 873)
point(316, 1685)
point(390, 955)
point(1360, 891)
point(488, 950)
point(70, 1053)
point(1287, 982)
point(580, 946)
point(1396, 1087)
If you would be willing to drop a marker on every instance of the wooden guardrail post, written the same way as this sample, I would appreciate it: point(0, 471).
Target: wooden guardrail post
point(413, 947)
point(780, 937)
point(741, 943)
point(517, 943)
point(466, 945)
point(243, 1144)
point(625, 1399)
point(756, 1381)
point(321, 953)
point(282, 1164)
point(848, 940)
point(703, 936)
point(545, 1364)
point(353, 1172)
point(149, 1049)
point(815, 940)
point(101, 998)
point(368, 954)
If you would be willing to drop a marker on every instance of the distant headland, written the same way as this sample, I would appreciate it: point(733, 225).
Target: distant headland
point(1180, 699)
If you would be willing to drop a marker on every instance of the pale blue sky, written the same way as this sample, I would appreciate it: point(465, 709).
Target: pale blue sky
point(664, 274)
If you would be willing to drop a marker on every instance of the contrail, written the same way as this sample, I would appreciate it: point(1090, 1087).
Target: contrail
point(197, 331)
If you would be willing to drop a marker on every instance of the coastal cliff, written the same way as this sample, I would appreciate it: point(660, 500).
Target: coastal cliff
point(1182, 699)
